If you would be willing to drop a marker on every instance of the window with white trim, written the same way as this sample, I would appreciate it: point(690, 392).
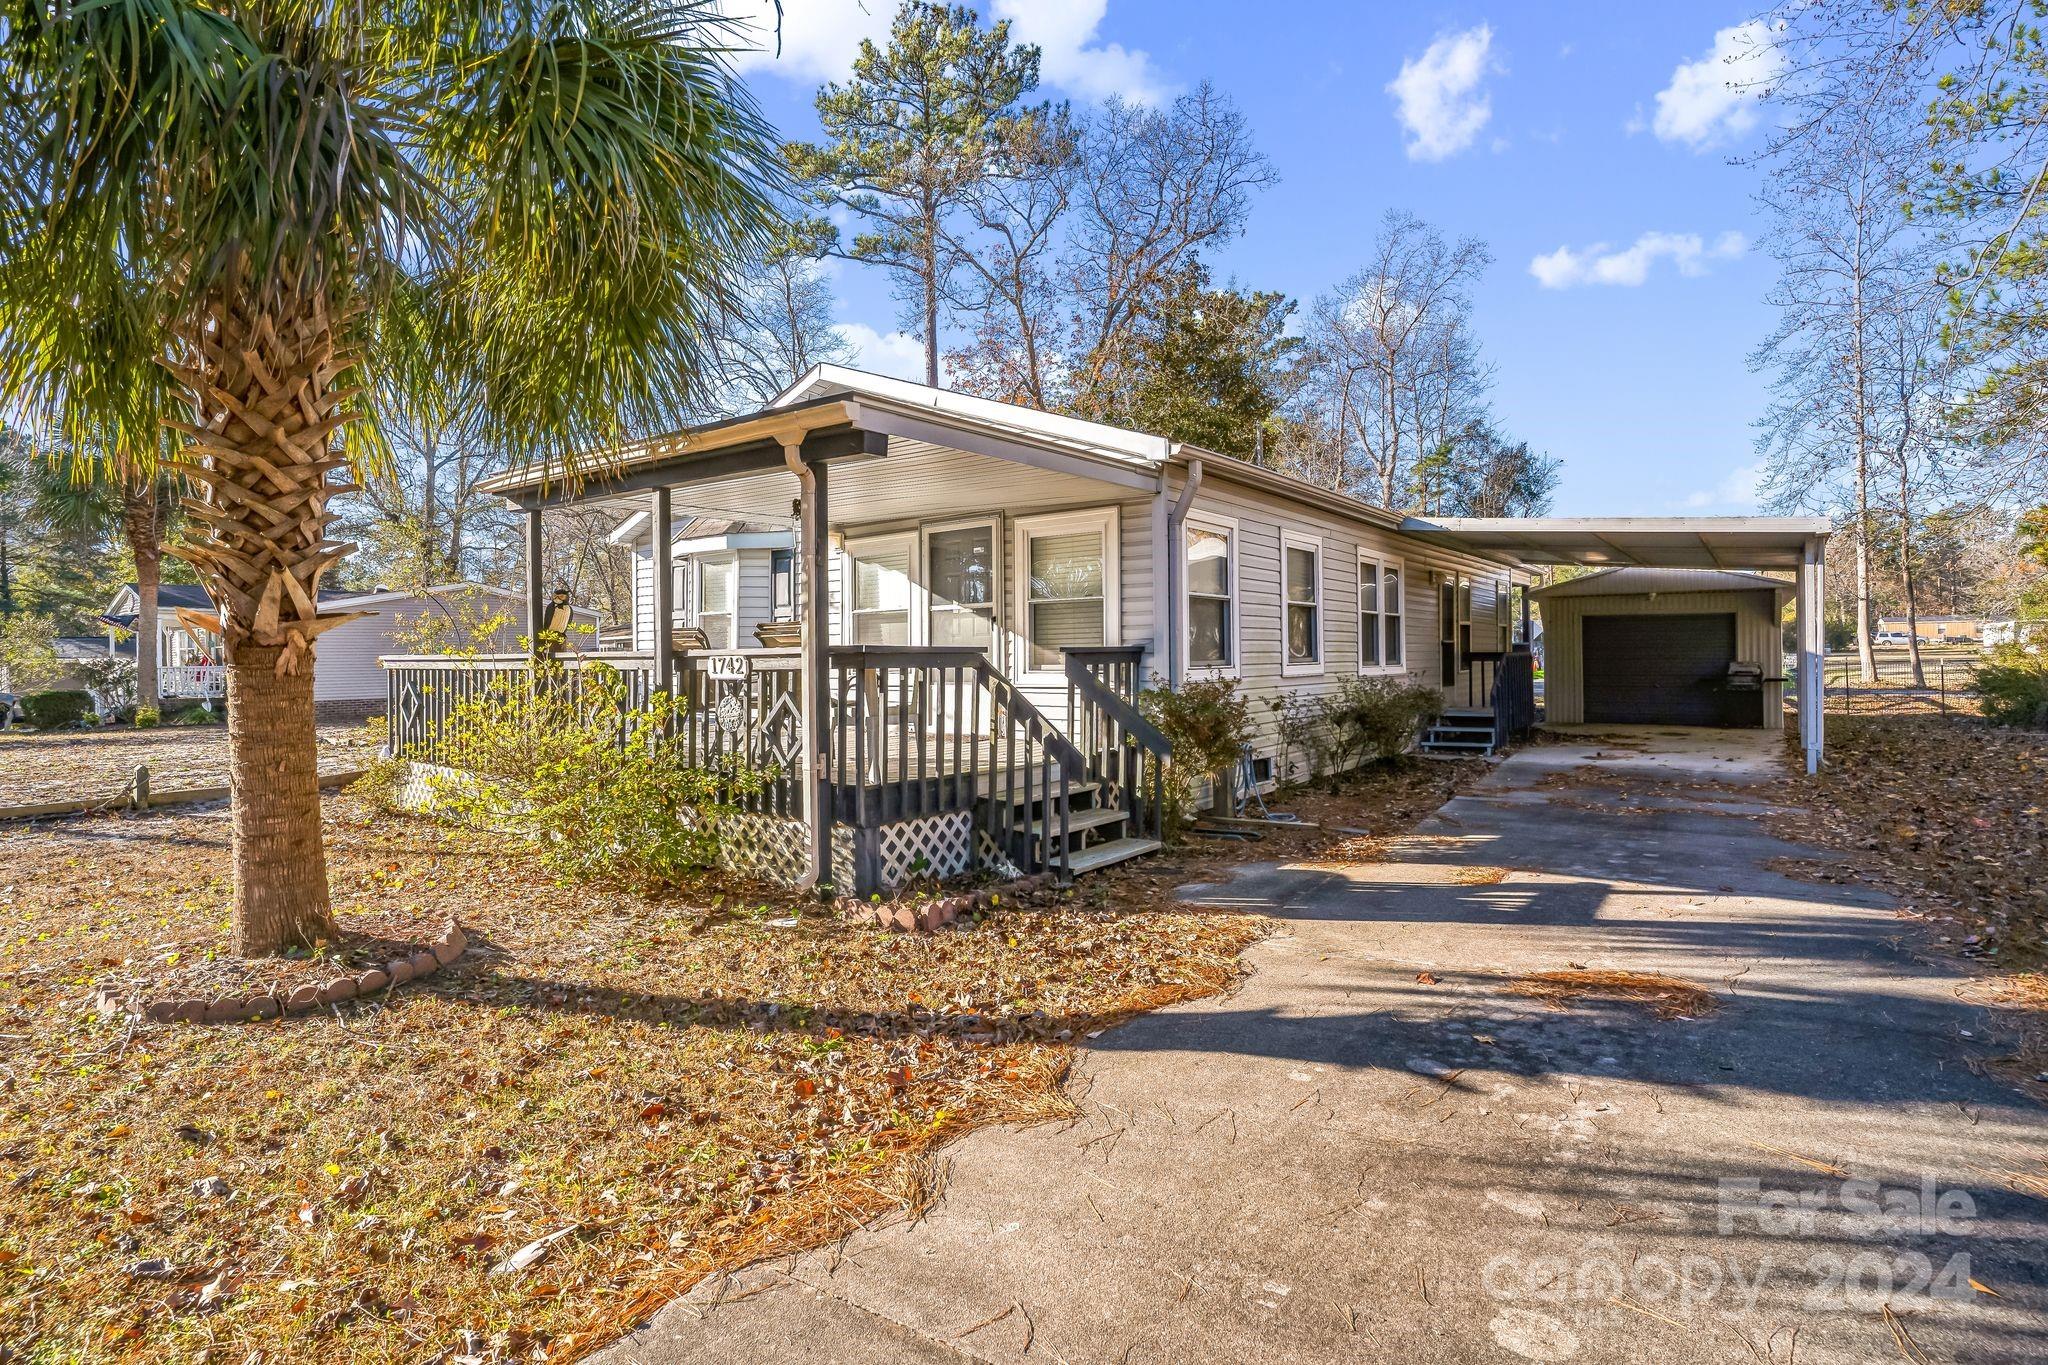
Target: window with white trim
point(1301, 592)
point(718, 600)
point(878, 609)
point(1067, 585)
point(1379, 613)
point(782, 585)
point(1211, 593)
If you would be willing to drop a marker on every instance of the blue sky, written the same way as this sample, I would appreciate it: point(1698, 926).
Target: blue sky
point(1588, 144)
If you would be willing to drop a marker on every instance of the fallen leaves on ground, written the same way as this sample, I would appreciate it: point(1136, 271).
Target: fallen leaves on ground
point(608, 1096)
point(1952, 818)
point(1667, 997)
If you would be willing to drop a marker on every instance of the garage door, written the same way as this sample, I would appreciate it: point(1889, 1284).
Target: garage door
point(1663, 670)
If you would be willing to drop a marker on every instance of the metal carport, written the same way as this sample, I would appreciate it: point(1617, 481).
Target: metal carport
point(1761, 543)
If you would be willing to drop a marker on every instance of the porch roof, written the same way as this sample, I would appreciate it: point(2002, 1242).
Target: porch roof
point(1650, 542)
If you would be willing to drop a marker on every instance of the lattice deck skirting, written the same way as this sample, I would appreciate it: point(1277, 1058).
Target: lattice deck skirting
point(932, 845)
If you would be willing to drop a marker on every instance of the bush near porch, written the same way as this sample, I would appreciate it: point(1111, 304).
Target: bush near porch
point(662, 1085)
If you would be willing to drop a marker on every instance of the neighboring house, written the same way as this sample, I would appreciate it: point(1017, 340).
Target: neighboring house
point(348, 681)
point(75, 655)
point(1937, 628)
point(999, 584)
point(2030, 634)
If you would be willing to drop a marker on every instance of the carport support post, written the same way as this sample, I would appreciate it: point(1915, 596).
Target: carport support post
point(1812, 637)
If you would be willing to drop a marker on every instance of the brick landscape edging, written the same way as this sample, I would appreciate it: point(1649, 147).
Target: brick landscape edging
point(936, 912)
point(228, 1009)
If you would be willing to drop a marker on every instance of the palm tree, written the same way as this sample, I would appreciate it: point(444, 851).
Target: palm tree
point(299, 208)
point(88, 496)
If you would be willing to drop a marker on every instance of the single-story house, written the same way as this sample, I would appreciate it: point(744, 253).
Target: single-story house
point(2030, 635)
point(972, 595)
point(1936, 628)
point(1665, 647)
point(348, 681)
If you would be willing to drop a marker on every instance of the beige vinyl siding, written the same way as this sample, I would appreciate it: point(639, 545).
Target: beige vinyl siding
point(643, 591)
point(1261, 517)
point(1759, 639)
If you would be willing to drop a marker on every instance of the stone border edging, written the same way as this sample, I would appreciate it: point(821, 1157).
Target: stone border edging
point(935, 913)
point(228, 1009)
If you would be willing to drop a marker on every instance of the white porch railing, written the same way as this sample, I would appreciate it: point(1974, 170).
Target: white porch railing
point(193, 680)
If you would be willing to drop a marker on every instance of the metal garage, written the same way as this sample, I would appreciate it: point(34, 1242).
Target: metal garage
point(1664, 647)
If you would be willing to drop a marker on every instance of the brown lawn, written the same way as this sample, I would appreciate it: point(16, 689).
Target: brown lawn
point(87, 764)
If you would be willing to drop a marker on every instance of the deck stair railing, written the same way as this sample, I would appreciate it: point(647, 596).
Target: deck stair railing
point(1125, 753)
point(1513, 697)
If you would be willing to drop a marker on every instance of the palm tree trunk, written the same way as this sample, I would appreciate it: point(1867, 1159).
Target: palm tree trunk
point(262, 378)
point(139, 523)
point(279, 862)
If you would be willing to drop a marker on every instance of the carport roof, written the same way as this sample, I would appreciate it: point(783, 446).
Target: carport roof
point(1653, 542)
point(1631, 582)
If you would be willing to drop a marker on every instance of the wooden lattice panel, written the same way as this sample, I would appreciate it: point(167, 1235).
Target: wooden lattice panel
point(935, 845)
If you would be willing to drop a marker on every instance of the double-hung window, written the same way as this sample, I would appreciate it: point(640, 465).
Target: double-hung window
point(879, 609)
point(1211, 596)
point(717, 600)
point(1067, 585)
point(782, 585)
point(1379, 613)
point(1301, 577)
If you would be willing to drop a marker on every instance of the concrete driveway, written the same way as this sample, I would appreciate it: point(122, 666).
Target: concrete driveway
point(1344, 1162)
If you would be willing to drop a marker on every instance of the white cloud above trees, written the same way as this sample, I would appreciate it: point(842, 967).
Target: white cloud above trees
point(1714, 98)
point(1072, 56)
point(820, 39)
point(1631, 265)
point(1440, 97)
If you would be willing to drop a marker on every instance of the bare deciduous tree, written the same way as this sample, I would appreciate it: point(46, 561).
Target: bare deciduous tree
point(1398, 373)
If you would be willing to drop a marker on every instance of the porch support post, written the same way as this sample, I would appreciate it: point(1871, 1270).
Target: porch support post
point(536, 596)
point(814, 611)
point(1528, 635)
point(664, 593)
point(1812, 634)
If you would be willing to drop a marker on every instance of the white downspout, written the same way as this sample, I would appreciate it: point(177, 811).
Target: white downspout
point(1176, 518)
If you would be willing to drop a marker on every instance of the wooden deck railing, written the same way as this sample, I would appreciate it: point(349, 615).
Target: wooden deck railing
point(916, 731)
point(1123, 751)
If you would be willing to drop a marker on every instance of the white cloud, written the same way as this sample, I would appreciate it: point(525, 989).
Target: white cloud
point(1072, 58)
point(1630, 266)
point(820, 38)
point(1437, 96)
point(1715, 98)
point(892, 353)
point(1737, 492)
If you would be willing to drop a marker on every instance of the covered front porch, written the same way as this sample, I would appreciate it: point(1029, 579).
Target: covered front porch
point(948, 686)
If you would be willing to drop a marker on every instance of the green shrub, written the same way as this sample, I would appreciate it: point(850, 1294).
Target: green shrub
point(2012, 687)
point(56, 710)
point(187, 711)
point(600, 786)
point(147, 718)
point(1377, 718)
point(1208, 725)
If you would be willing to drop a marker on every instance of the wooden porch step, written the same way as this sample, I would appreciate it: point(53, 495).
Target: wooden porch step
point(1094, 859)
point(1079, 820)
point(1038, 793)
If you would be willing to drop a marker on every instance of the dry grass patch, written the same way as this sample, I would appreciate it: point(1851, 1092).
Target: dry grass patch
point(1667, 997)
point(643, 1091)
